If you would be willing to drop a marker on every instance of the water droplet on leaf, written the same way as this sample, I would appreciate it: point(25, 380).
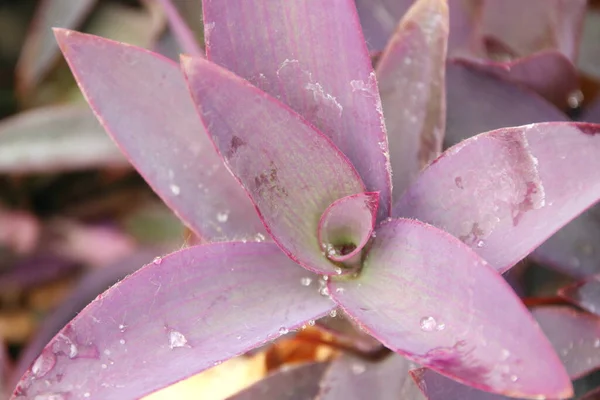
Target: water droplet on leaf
point(333, 313)
point(176, 339)
point(428, 324)
point(44, 364)
point(175, 189)
point(157, 261)
point(306, 281)
point(283, 330)
point(223, 216)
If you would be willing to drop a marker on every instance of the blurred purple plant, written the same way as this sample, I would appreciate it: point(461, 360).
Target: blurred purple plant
point(291, 104)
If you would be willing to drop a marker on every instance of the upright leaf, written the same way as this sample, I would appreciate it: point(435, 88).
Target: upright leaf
point(142, 101)
point(291, 171)
point(505, 192)
point(411, 81)
point(426, 295)
point(311, 56)
point(173, 318)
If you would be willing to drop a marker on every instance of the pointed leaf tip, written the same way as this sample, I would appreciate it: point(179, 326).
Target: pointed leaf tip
point(426, 295)
point(291, 171)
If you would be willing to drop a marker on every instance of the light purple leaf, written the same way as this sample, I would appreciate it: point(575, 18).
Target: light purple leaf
point(411, 74)
point(163, 138)
point(300, 382)
point(346, 226)
point(585, 294)
point(351, 378)
point(592, 113)
point(182, 31)
point(505, 192)
point(438, 387)
point(40, 50)
point(589, 51)
point(534, 25)
point(313, 58)
point(91, 285)
point(575, 336)
point(479, 102)
point(173, 318)
point(55, 139)
point(291, 171)
point(549, 73)
point(575, 249)
point(426, 295)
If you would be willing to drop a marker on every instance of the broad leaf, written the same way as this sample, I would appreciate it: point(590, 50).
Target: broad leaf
point(313, 58)
point(346, 226)
point(173, 318)
point(163, 138)
point(411, 74)
point(575, 336)
point(479, 102)
point(453, 314)
point(575, 249)
point(505, 192)
point(585, 294)
point(300, 382)
point(351, 378)
point(291, 171)
point(55, 139)
point(40, 50)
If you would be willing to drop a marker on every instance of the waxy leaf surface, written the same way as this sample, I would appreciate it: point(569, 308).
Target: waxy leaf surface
point(505, 192)
point(585, 294)
point(53, 139)
point(410, 75)
point(300, 382)
point(163, 138)
point(575, 336)
point(173, 318)
point(312, 57)
point(291, 171)
point(351, 378)
point(479, 101)
point(347, 224)
point(454, 314)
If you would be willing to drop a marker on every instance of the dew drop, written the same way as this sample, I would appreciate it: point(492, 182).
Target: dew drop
point(428, 324)
point(122, 327)
point(324, 291)
point(306, 281)
point(122, 341)
point(176, 339)
point(339, 290)
point(175, 189)
point(73, 350)
point(358, 369)
point(44, 364)
point(104, 366)
point(440, 327)
point(338, 270)
point(514, 378)
point(480, 243)
point(259, 237)
point(106, 352)
point(333, 313)
point(575, 98)
point(238, 337)
point(311, 322)
point(283, 330)
point(223, 216)
point(157, 261)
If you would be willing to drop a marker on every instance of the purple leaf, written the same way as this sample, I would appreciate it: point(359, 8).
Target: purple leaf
point(505, 192)
point(549, 73)
point(585, 294)
point(534, 25)
point(299, 382)
point(453, 314)
point(575, 336)
point(351, 378)
point(346, 226)
point(412, 68)
point(55, 139)
point(163, 138)
point(91, 285)
point(173, 318)
point(40, 50)
point(575, 249)
point(313, 58)
point(438, 387)
point(479, 102)
point(291, 171)
point(183, 33)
